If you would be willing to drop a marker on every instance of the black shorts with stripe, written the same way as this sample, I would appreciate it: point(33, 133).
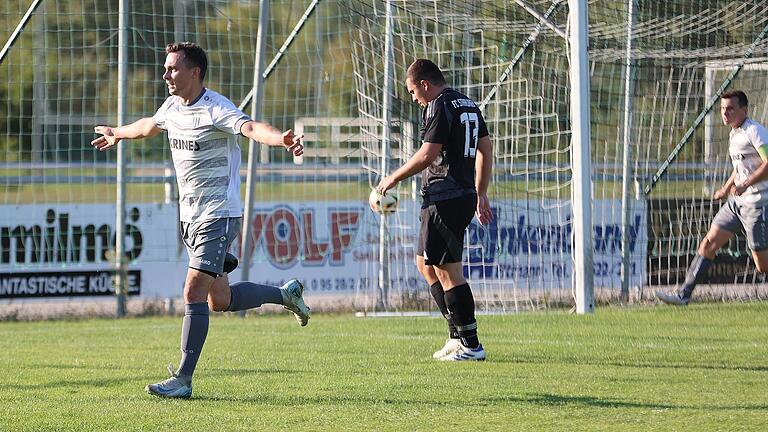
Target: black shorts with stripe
point(443, 223)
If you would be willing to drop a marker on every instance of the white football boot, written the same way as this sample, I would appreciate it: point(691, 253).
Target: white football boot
point(466, 354)
point(293, 300)
point(672, 298)
point(173, 387)
point(450, 347)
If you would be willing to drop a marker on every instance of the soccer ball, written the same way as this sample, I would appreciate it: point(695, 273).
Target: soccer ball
point(382, 204)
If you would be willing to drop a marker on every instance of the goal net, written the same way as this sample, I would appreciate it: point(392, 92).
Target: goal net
point(325, 79)
point(511, 57)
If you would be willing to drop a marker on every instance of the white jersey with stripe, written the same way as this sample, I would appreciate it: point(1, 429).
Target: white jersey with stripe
point(206, 155)
point(743, 143)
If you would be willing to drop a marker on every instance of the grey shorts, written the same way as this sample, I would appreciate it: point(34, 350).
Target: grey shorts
point(208, 242)
point(754, 220)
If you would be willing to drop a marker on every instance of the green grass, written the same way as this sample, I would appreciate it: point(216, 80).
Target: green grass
point(700, 368)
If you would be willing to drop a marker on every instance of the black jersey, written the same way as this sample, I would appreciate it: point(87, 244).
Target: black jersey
point(456, 122)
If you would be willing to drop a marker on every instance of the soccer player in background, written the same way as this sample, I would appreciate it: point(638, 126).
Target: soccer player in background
point(747, 194)
point(456, 157)
point(202, 128)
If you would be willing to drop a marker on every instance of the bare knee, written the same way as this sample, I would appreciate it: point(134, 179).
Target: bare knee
point(217, 305)
point(450, 275)
point(196, 286)
point(707, 248)
point(421, 267)
point(426, 271)
point(192, 295)
point(760, 264)
point(220, 294)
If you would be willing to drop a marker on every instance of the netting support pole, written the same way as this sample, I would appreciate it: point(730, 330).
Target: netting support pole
point(519, 55)
point(583, 271)
point(627, 175)
point(16, 32)
point(258, 97)
point(542, 18)
point(180, 20)
point(283, 49)
point(39, 96)
point(709, 130)
point(122, 116)
point(383, 292)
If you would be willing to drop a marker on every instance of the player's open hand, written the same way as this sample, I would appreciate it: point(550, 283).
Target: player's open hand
point(107, 138)
point(483, 211)
point(293, 142)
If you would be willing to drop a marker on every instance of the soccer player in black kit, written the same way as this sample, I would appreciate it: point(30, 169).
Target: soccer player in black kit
point(456, 157)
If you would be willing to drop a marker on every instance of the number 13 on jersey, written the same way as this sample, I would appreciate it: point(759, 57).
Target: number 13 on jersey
point(471, 124)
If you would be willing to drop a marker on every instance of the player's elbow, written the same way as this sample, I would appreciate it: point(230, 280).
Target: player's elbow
point(246, 129)
point(148, 127)
point(428, 154)
point(426, 159)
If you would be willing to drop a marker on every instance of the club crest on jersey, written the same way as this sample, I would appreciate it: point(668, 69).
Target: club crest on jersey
point(466, 103)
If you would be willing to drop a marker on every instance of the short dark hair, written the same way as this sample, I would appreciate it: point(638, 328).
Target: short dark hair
point(739, 95)
point(423, 69)
point(194, 56)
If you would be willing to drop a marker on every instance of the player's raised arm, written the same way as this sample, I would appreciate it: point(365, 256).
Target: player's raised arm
point(110, 136)
point(264, 133)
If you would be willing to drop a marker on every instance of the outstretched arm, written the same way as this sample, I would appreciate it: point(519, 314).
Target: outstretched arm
point(264, 133)
point(483, 168)
point(110, 136)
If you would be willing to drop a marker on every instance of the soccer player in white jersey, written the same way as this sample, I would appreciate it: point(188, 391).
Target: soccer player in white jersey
point(747, 197)
point(202, 128)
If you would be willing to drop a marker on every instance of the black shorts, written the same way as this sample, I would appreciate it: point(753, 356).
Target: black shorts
point(441, 238)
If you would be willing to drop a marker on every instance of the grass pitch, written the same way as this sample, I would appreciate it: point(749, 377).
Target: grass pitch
point(699, 368)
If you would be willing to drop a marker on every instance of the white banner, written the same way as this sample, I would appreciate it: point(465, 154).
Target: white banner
point(326, 245)
point(64, 250)
point(529, 244)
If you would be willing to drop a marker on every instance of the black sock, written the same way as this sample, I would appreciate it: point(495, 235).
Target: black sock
point(436, 289)
point(461, 306)
point(194, 330)
point(696, 272)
